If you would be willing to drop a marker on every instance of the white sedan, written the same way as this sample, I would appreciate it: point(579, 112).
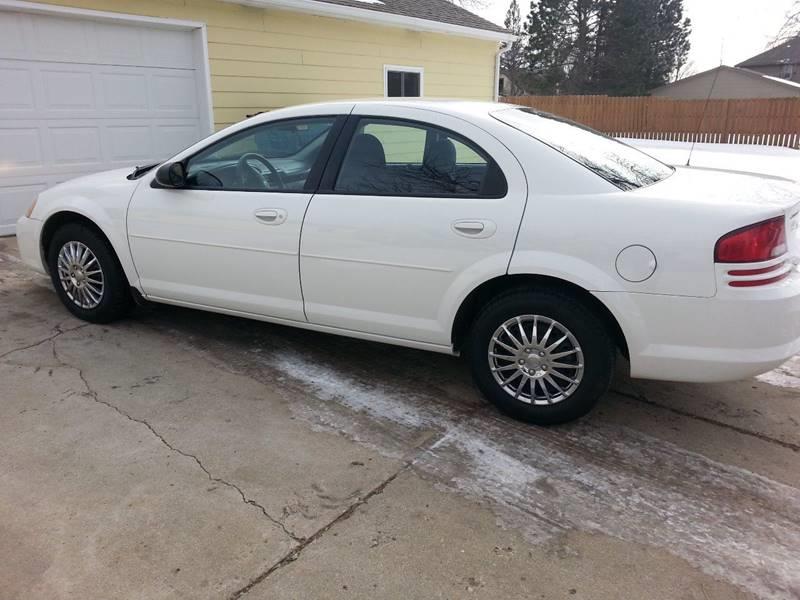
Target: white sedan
point(538, 249)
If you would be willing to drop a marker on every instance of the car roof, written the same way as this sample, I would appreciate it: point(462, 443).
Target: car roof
point(455, 107)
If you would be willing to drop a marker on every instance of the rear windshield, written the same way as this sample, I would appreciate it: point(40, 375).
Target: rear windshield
point(624, 166)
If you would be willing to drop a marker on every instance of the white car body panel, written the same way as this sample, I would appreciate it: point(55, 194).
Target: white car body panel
point(392, 269)
point(362, 255)
point(193, 246)
point(103, 199)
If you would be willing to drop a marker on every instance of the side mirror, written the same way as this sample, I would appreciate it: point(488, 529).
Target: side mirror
point(171, 175)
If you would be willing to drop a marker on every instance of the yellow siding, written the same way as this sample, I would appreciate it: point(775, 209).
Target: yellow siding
point(265, 59)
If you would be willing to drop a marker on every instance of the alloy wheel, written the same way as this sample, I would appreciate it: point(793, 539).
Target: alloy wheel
point(536, 360)
point(81, 275)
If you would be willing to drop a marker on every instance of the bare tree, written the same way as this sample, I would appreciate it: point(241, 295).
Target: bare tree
point(791, 28)
point(682, 72)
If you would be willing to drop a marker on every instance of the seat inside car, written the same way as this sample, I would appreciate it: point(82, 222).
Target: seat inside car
point(440, 158)
point(364, 165)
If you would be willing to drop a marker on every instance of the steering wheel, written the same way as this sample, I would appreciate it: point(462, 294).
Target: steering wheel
point(249, 177)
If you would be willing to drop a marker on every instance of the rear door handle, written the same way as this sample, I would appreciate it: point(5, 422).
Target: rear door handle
point(475, 228)
point(271, 216)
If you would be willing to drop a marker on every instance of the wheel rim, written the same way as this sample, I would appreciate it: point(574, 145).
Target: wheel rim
point(536, 360)
point(81, 275)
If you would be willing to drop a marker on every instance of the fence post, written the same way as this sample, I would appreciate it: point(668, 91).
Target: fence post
point(726, 128)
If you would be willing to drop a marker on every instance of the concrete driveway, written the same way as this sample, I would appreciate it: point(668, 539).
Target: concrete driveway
point(179, 454)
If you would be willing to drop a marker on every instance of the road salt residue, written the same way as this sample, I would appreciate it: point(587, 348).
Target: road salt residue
point(590, 477)
point(787, 375)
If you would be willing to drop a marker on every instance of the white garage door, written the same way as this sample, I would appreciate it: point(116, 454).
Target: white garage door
point(79, 95)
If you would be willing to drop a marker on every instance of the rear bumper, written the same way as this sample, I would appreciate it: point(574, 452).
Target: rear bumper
point(28, 235)
point(736, 335)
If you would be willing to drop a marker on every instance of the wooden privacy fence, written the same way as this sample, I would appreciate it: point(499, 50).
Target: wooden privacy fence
point(766, 122)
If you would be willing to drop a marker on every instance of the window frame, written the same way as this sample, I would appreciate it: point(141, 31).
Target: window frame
point(330, 176)
point(403, 69)
point(315, 175)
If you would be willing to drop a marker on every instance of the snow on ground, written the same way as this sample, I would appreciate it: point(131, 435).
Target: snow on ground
point(767, 160)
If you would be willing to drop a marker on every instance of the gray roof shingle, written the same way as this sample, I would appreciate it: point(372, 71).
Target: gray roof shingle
point(440, 11)
point(787, 53)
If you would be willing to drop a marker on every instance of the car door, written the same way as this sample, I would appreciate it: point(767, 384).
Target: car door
point(423, 207)
point(229, 238)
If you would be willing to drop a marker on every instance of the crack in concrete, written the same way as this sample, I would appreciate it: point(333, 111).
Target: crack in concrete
point(58, 332)
point(95, 397)
point(427, 443)
point(684, 413)
point(292, 556)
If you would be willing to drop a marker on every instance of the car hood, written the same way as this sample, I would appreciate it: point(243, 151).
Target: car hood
point(110, 191)
point(109, 185)
point(114, 179)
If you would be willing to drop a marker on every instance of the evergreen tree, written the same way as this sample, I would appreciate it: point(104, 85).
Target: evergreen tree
point(513, 61)
point(548, 47)
point(562, 44)
point(619, 47)
point(645, 42)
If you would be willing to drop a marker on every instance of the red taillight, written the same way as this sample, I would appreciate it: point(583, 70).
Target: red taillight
point(754, 243)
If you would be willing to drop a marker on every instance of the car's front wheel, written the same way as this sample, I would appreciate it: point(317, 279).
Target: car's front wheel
point(544, 357)
point(87, 275)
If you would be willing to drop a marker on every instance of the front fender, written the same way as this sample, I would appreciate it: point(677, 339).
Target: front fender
point(106, 207)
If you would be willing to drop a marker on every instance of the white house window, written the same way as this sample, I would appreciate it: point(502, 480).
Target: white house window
point(403, 82)
point(787, 71)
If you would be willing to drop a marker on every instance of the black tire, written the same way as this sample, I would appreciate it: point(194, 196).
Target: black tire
point(587, 328)
point(115, 300)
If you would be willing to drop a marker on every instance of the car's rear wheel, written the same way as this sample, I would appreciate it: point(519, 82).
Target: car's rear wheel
point(543, 357)
point(87, 275)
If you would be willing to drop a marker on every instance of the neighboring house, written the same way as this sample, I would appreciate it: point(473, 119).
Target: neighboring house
point(728, 83)
point(87, 85)
point(510, 86)
point(782, 61)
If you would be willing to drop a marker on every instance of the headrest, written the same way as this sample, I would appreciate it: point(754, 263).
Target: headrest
point(368, 150)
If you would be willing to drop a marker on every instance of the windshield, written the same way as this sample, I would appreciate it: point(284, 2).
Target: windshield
point(624, 166)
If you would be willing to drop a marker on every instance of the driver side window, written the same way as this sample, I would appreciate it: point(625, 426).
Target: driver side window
point(273, 157)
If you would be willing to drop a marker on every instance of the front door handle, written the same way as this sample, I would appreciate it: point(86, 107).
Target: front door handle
point(271, 216)
point(475, 228)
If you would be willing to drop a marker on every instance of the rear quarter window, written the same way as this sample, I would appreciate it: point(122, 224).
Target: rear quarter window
point(620, 164)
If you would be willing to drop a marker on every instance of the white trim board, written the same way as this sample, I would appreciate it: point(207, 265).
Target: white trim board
point(377, 17)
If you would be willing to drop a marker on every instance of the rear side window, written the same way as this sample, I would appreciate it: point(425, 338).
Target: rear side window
point(389, 157)
point(624, 166)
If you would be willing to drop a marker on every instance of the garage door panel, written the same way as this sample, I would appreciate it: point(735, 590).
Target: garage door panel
point(165, 49)
point(20, 146)
point(125, 91)
point(13, 38)
point(175, 93)
point(68, 89)
point(73, 145)
point(76, 40)
point(130, 143)
point(16, 92)
point(79, 96)
point(121, 44)
point(65, 39)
